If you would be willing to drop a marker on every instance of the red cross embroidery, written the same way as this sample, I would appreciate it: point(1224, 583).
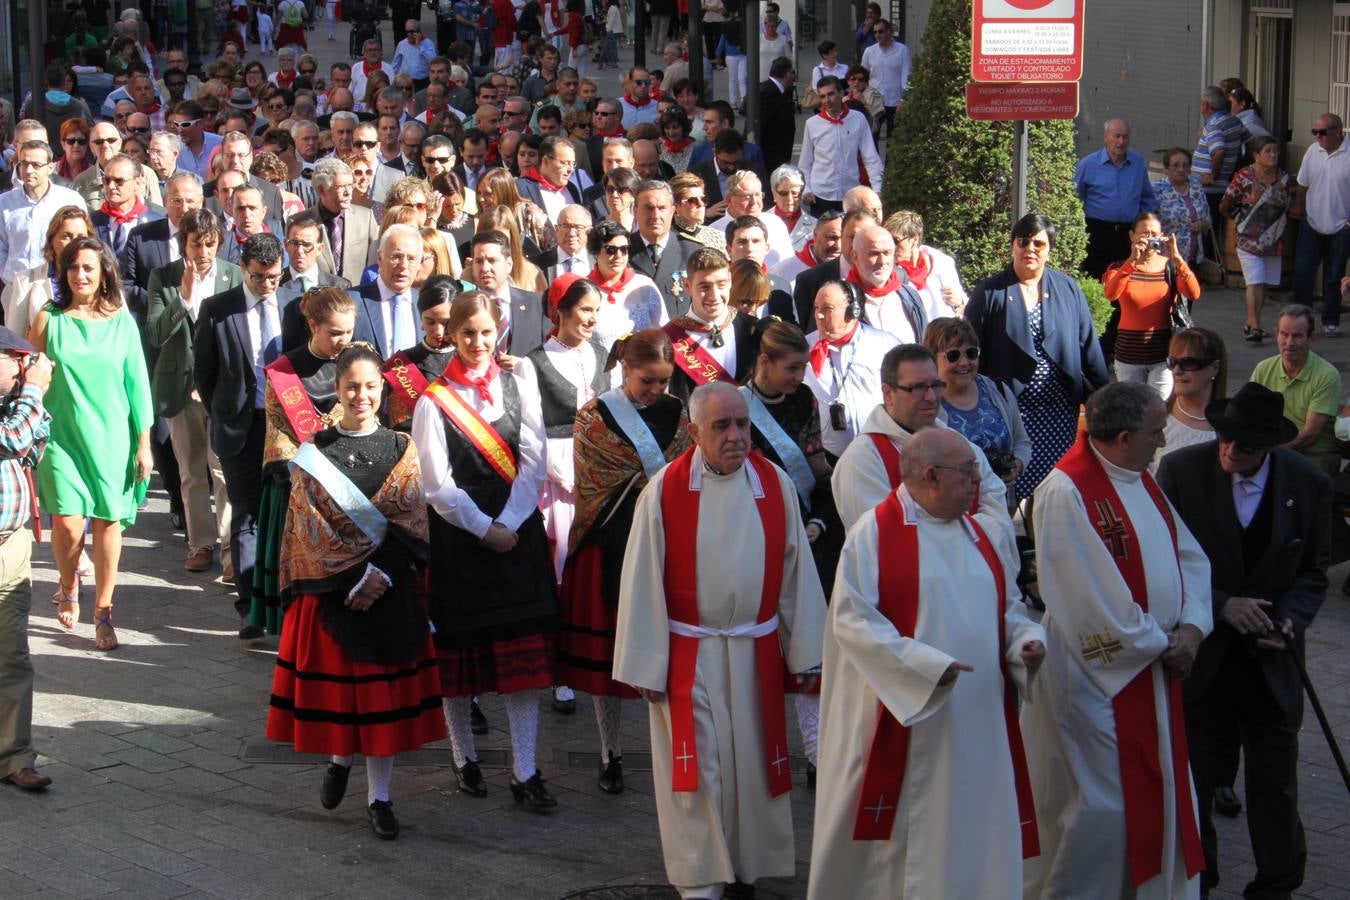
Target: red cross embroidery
point(1112, 529)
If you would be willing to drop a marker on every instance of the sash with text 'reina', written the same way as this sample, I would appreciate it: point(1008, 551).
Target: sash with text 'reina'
point(483, 436)
point(1135, 706)
point(692, 359)
point(406, 385)
point(296, 406)
point(898, 601)
point(679, 509)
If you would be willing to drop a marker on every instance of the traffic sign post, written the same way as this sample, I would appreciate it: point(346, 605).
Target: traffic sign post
point(1011, 102)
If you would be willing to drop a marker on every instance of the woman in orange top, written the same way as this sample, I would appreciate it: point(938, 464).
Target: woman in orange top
point(1146, 286)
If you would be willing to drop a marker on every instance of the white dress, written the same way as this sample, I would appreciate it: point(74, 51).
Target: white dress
point(639, 305)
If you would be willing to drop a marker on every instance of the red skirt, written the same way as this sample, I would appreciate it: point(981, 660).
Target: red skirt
point(323, 702)
point(292, 34)
point(503, 667)
point(586, 641)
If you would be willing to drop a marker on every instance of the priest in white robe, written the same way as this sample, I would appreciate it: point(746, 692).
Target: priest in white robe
point(911, 402)
point(1127, 594)
point(948, 675)
point(718, 591)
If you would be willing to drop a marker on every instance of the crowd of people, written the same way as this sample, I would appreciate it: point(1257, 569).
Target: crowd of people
point(473, 379)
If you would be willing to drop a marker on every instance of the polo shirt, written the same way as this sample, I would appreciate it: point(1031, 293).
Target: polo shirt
point(1114, 193)
point(1221, 132)
point(1317, 388)
point(1327, 178)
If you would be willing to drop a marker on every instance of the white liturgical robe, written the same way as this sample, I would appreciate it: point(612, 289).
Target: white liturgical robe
point(1099, 639)
point(957, 829)
point(730, 828)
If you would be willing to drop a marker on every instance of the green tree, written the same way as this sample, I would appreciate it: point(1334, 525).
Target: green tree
point(957, 172)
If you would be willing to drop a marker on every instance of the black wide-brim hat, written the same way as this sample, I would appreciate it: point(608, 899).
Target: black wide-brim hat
point(1253, 416)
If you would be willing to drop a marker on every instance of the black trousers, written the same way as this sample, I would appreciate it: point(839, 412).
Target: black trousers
point(1270, 780)
point(243, 485)
point(1108, 242)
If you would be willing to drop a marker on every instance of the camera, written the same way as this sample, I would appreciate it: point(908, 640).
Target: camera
point(1001, 461)
point(838, 417)
point(1157, 245)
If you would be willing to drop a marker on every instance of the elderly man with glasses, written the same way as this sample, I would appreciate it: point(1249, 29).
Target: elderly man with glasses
point(106, 144)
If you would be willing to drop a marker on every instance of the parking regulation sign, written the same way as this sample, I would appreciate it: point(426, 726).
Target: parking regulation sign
point(1027, 40)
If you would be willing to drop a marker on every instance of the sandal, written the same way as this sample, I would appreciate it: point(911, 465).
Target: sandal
point(69, 616)
point(109, 639)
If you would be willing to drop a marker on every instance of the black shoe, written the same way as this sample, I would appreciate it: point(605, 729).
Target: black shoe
point(470, 779)
point(611, 775)
point(477, 721)
point(1226, 802)
point(334, 786)
point(739, 890)
point(382, 820)
point(564, 707)
point(248, 631)
point(810, 777)
point(532, 793)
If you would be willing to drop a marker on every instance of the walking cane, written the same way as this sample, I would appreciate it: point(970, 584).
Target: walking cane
point(1317, 708)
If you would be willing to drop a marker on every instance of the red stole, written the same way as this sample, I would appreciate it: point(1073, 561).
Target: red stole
point(918, 272)
point(406, 382)
point(611, 290)
point(890, 457)
point(890, 287)
point(1135, 707)
point(483, 436)
point(692, 359)
point(898, 601)
point(296, 405)
point(679, 507)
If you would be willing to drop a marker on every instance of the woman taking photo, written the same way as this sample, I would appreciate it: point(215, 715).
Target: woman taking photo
point(97, 464)
point(620, 190)
point(1146, 287)
point(1036, 332)
point(355, 670)
point(1182, 205)
point(408, 372)
point(631, 300)
point(1199, 364)
point(492, 597)
point(31, 291)
point(293, 417)
point(621, 439)
point(1257, 200)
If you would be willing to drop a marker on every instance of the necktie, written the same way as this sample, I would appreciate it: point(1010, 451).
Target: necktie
point(339, 225)
point(656, 256)
point(567, 264)
point(402, 340)
point(504, 338)
point(270, 328)
point(304, 285)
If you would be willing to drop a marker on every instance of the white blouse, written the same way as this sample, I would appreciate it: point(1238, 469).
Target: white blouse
point(639, 305)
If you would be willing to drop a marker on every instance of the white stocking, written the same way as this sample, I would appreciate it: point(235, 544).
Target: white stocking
point(608, 715)
point(808, 722)
point(342, 761)
point(522, 715)
point(379, 773)
point(456, 711)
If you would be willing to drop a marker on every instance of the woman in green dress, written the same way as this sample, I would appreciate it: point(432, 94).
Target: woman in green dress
point(98, 462)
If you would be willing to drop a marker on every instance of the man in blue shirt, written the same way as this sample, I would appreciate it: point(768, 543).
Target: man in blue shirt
point(413, 55)
point(1113, 185)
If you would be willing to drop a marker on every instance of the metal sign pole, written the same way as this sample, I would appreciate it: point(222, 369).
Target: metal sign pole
point(1021, 156)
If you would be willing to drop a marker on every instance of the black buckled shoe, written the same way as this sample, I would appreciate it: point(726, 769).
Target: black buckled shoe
point(334, 786)
point(1226, 802)
point(739, 890)
point(611, 775)
point(383, 821)
point(477, 721)
point(532, 793)
point(470, 779)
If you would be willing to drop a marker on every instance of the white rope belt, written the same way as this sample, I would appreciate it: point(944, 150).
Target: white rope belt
point(752, 630)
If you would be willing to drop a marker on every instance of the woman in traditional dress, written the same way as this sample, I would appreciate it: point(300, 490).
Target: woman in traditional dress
point(97, 464)
point(492, 597)
point(631, 300)
point(621, 439)
point(299, 401)
point(356, 669)
point(410, 371)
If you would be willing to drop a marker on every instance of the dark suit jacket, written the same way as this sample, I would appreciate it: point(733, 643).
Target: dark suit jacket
point(529, 322)
point(753, 157)
point(397, 164)
point(103, 230)
point(294, 331)
point(681, 385)
point(777, 126)
point(1292, 572)
point(593, 198)
point(712, 187)
point(804, 293)
point(530, 190)
point(147, 249)
point(1007, 353)
point(270, 194)
point(222, 369)
point(678, 251)
point(169, 329)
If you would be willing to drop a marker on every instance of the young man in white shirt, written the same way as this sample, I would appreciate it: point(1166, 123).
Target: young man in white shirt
point(832, 143)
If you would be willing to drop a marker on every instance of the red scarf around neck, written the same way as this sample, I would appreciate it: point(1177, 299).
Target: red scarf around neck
point(831, 119)
point(631, 101)
point(808, 254)
point(367, 68)
point(611, 290)
point(789, 221)
point(535, 175)
point(121, 218)
point(240, 238)
point(820, 353)
point(890, 287)
point(676, 146)
point(284, 80)
point(918, 272)
point(616, 133)
point(460, 374)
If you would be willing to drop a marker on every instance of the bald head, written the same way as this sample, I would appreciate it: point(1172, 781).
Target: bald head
point(874, 254)
point(862, 197)
point(646, 160)
point(940, 472)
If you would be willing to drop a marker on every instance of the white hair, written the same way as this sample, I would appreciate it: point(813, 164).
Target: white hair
point(174, 140)
point(787, 173)
point(326, 170)
point(706, 392)
point(397, 229)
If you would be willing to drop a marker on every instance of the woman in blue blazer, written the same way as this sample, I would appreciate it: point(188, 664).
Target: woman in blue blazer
point(1037, 336)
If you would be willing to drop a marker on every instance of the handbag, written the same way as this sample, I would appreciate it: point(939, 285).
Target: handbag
point(1181, 307)
point(811, 100)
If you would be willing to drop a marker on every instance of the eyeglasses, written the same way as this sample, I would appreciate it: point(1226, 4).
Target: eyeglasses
point(410, 33)
point(969, 470)
point(615, 249)
point(99, 142)
point(1037, 244)
point(695, 201)
point(263, 278)
point(303, 246)
point(645, 82)
point(116, 182)
point(1187, 363)
point(954, 355)
point(76, 142)
point(570, 226)
point(188, 123)
point(437, 160)
point(365, 145)
point(141, 130)
point(420, 207)
point(923, 388)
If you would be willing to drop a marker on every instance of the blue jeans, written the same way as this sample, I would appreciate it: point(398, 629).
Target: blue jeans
point(610, 50)
point(1330, 251)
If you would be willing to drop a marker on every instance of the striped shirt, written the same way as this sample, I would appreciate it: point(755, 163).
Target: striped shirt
point(1221, 132)
point(24, 429)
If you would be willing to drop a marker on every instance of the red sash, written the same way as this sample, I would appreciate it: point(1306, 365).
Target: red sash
point(483, 436)
point(406, 381)
point(1135, 708)
point(692, 359)
point(898, 601)
point(679, 505)
point(296, 406)
point(890, 457)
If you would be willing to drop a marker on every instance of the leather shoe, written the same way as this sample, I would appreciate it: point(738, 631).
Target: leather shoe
point(1226, 802)
point(532, 793)
point(227, 572)
point(334, 786)
point(470, 779)
point(27, 779)
point(382, 820)
point(248, 631)
point(477, 721)
point(199, 560)
point(564, 707)
point(810, 777)
point(611, 775)
point(739, 890)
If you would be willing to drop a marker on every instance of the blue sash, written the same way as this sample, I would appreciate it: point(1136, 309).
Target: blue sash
point(347, 495)
point(653, 458)
point(794, 460)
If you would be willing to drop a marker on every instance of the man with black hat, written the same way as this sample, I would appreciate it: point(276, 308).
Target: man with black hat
point(24, 429)
point(1262, 514)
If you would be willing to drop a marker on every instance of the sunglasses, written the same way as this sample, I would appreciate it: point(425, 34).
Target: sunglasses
point(76, 142)
point(116, 182)
point(645, 82)
point(954, 355)
point(1036, 244)
point(438, 160)
point(1187, 363)
point(615, 249)
point(99, 142)
point(923, 388)
point(143, 130)
point(1322, 132)
point(188, 124)
point(365, 145)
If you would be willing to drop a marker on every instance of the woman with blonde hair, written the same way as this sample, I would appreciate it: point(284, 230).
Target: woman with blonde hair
point(750, 288)
point(524, 274)
point(439, 256)
point(363, 180)
point(497, 187)
point(377, 82)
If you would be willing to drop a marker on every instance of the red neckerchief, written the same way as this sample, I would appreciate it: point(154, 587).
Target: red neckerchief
point(283, 80)
point(121, 218)
point(918, 272)
point(149, 110)
point(890, 287)
point(808, 254)
point(367, 68)
point(628, 98)
point(831, 119)
point(790, 222)
point(493, 151)
point(616, 133)
point(820, 353)
point(460, 374)
point(535, 175)
point(611, 290)
point(240, 238)
point(676, 146)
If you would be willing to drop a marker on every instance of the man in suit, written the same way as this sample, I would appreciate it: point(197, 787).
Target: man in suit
point(122, 208)
point(1262, 514)
point(570, 256)
point(712, 335)
point(408, 161)
point(304, 246)
point(177, 291)
point(238, 333)
point(236, 152)
point(728, 159)
point(105, 143)
point(548, 187)
point(718, 117)
point(349, 231)
point(658, 252)
point(525, 321)
point(777, 114)
point(249, 218)
point(810, 281)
